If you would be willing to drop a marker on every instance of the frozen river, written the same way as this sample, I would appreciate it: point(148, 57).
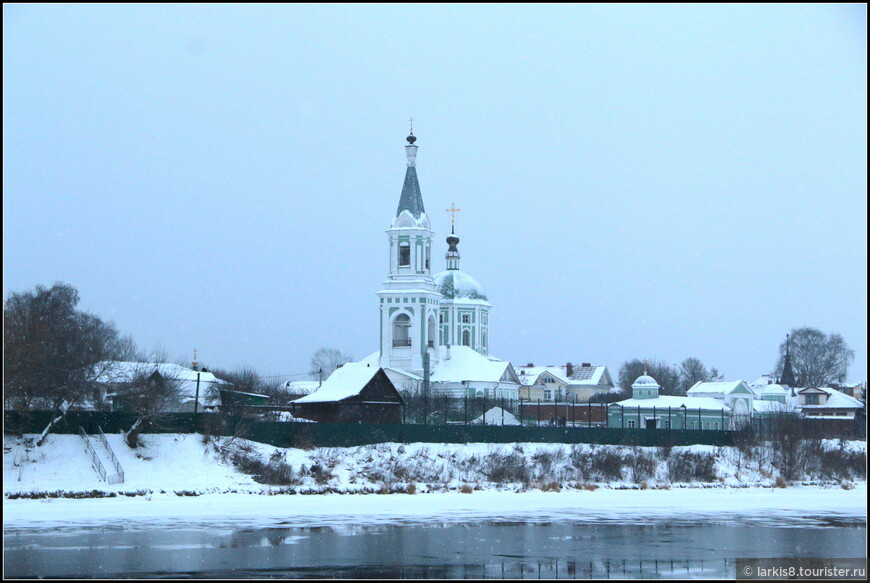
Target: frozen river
point(620, 547)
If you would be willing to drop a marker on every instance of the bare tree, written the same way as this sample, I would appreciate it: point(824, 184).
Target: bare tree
point(692, 370)
point(53, 353)
point(817, 359)
point(150, 393)
point(326, 360)
point(243, 379)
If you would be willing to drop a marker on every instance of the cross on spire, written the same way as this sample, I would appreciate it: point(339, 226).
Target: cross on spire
point(411, 121)
point(452, 210)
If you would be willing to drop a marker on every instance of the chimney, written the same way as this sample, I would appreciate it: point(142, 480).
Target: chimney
point(569, 370)
point(530, 365)
point(587, 364)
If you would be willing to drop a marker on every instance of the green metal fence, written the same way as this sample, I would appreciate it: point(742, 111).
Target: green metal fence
point(283, 434)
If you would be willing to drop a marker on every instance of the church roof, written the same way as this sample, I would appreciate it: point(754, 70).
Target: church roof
point(455, 283)
point(465, 364)
point(665, 401)
point(645, 380)
point(411, 199)
point(721, 387)
point(787, 376)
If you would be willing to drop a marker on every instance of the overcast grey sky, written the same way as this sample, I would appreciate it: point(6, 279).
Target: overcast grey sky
point(635, 181)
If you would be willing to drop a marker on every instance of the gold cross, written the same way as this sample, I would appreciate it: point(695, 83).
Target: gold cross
point(452, 210)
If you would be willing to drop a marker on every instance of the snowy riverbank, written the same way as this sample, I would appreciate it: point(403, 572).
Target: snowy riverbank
point(191, 468)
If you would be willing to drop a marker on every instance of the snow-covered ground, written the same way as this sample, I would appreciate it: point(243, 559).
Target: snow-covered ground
point(183, 476)
point(765, 504)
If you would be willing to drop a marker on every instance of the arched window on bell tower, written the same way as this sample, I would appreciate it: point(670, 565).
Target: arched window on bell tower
point(404, 253)
point(466, 338)
point(402, 330)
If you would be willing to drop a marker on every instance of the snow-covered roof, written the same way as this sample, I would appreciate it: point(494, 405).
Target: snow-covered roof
point(774, 389)
point(466, 364)
point(644, 380)
point(716, 387)
point(455, 284)
point(590, 375)
point(301, 387)
point(580, 375)
point(347, 381)
point(665, 401)
point(529, 374)
point(757, 386)
point(117, 372)
point(836, 399)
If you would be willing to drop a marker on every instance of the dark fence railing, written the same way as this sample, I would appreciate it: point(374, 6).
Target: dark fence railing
point(298, 434)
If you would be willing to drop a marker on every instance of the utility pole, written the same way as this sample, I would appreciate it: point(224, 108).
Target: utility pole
point(196, 399)
point(425, 386)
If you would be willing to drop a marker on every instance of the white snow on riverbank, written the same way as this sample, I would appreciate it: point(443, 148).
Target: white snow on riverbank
point(173, 463)
point(167, 461)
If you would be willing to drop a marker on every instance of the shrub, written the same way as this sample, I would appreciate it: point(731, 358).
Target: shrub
point(412, 489)
point(503, 468)
point(466, 489)
point(607, 465)
point(780, 482)
point(642, 465)
point(320, 474)
point(691, 467)
point(840, 463)
point(275, 472)
point(581, 461)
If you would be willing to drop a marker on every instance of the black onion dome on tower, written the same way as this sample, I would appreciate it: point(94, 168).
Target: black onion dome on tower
point(411, 138)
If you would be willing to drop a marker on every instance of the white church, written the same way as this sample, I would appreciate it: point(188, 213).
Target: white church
point(442, 319)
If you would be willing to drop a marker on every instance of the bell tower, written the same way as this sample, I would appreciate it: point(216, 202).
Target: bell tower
point(408, 301)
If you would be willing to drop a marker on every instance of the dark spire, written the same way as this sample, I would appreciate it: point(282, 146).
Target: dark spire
point(787, 377)
point(411, 199)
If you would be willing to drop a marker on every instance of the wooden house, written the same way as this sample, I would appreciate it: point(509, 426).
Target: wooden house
point(354, 393)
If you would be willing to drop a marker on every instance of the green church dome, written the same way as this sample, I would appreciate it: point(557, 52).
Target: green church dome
point(454, 284)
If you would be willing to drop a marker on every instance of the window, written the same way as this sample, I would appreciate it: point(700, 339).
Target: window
point(466, 318)
point(428, 256)
point(404, 253)
point(716, 425)
point(402, 330)
point(548, 380)
point(631, 423)
point(548, 395)
point(667, 423)
point(441, 318)
point(811, 399)
point(466, 338)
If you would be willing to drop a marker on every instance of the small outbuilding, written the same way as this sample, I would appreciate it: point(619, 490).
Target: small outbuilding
point(354, 393)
